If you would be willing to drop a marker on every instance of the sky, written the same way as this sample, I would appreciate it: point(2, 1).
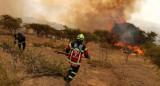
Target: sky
point(150, 11)
point(148, 18)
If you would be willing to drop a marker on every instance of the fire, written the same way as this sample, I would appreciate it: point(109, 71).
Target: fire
point(121, 19)
point(119, 44)
point(137, 49)
point(110, 27)
point(130, 50)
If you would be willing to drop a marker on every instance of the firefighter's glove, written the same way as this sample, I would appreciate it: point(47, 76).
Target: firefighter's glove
point(67, 54)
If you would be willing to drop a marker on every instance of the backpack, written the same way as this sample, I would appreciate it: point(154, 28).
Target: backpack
point(75, 56)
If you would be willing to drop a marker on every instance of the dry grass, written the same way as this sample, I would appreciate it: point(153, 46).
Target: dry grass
point(35, 62)
point(45, 44)
point(5, 79)
point(99, 63)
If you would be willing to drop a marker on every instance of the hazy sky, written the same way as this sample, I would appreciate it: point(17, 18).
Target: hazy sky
point(150, 11)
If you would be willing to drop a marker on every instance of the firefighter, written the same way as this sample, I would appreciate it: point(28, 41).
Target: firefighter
point(21, 40)
point(74, 52)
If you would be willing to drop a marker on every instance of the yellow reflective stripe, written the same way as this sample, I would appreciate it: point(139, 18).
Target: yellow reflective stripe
point(83, 50)
point(70, 46)
point(70, 77)
point(76, 49)
point(73, 62)
point(73, 72)
point(79, 57)
point(70, 59)
point(71, 54)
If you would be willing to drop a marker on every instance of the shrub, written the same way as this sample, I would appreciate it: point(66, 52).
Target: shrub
point(36, 63)
point(99, 63)
point(42, 29)
point(37, 45)
point(90, 37)
point(4, 79)
point(153, 51)
point(105, 45)
point(46, 44)
point(10, 22)
point(9, 47)
point(61, 47)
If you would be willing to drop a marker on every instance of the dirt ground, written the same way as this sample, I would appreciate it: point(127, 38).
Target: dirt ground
point(136, 72)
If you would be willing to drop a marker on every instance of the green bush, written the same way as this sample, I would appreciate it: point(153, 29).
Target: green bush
point(90, 37)
point(153, 51)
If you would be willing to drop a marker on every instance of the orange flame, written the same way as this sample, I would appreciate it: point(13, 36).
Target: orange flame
point(121, 19)
point(110, 27)
point(119, 44)
point(137, 49)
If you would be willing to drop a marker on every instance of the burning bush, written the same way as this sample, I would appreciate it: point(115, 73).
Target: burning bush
point(129, 34)
point(126, 33)
point(131, 37)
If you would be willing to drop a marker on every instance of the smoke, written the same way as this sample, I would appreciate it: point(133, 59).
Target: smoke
point(12, 7)
point(84, 14)
point(126, 33)
point(99, 14)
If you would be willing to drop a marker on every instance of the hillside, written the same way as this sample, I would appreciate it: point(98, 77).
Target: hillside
point(136, 72)
point(34, 20)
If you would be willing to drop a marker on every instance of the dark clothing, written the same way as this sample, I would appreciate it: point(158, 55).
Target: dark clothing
point(19, 37)
point(71, 73)
point(23, 44)
point(21, 40)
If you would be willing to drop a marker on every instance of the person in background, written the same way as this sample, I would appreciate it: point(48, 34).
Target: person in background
point(21, 40)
